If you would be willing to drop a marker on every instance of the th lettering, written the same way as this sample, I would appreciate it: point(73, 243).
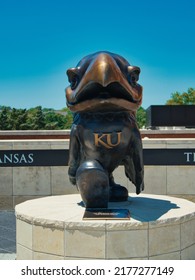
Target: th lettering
point(106, 139)
point(190, 156)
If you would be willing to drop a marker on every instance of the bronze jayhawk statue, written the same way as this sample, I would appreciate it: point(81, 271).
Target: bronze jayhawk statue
point(104, 96)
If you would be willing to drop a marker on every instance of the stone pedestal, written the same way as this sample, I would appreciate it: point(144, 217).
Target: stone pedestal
point(161, 227)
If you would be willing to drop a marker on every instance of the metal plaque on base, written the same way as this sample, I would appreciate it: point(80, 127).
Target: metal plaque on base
point(106, 214)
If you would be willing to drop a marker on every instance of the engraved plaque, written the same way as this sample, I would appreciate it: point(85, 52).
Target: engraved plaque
point(106, 214)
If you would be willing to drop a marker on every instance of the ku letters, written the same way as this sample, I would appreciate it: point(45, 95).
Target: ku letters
point(106, 140)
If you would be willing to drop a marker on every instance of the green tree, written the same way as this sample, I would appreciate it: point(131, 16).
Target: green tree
point(185, 98)
point(4, 119)
point(54, 120)
point(36, 118)
point(141, 117)
point(68, 118)
point(18, 119)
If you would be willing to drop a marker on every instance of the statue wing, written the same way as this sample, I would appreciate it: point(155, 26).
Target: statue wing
point(74, 155)
point(134, 167)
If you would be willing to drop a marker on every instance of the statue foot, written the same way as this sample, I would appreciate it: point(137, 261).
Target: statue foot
point(93, 184)
point(118, 193)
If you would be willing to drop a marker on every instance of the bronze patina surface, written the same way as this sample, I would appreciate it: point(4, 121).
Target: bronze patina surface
point(104, 96)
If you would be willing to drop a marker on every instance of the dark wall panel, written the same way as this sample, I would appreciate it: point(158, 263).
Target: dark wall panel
point(171, 115)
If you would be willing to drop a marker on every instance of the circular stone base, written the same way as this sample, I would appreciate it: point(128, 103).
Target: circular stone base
point(160, 227)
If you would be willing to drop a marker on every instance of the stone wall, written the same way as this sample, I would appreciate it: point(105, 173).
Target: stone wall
point(20, 183)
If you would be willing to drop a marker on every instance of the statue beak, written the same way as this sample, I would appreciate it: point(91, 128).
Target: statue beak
point(103, 76)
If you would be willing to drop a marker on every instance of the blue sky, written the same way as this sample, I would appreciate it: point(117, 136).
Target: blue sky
point(40, 39)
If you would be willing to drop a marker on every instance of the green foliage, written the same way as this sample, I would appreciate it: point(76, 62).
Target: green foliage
point(69, 118)
point(4, 118)
point(185, 98)
point(58, 120)
point(18, 119)
point(39, 118)
point(141, 117)
point(34, 118)
point(48, 118)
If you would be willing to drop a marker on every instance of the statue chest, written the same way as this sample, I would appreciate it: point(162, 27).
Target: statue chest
point(105, 136)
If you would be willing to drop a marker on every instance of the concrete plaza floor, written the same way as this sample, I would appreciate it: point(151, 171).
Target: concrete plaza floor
point(7, 235)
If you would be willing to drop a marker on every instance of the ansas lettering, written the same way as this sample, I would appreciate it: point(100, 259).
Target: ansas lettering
point(16, 158)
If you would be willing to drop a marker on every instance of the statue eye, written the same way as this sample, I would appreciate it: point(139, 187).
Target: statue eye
point(133, 74)
point(74, 82)
point(133, 79)
point(73, 77)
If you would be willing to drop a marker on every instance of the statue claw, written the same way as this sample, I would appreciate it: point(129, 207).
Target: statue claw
point(139, 188)
point(118, 193)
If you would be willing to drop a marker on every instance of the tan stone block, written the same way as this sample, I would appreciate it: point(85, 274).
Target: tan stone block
point(180, 144)
point(164, 240)
point(136, 258)
point(75, 258)
point(6, 145)
point(154, 143)
point(60, 181)
point(108, 239)
point(85, 244)
point(60, 144)
point(6, 180)
point(120, 177)
point(125, 225)
point(180, 180)
point(185, 196)
point(31, 181)
point(187, 233)
point(6, 202)
point(22, 198)
point(131, 187)
point(23, 253)
point(122, 244)
point(188, 253)
point(42, 256)
point(24, 233)
point(170, 256)
point(48, 240)
point(31, 144)
point(155, 179)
